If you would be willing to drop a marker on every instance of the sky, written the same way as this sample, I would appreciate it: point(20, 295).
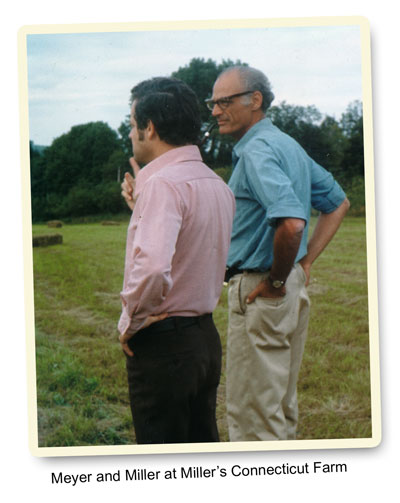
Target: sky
point(76, 78)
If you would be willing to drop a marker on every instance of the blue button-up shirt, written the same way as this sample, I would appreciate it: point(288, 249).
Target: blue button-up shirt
point(273, 178)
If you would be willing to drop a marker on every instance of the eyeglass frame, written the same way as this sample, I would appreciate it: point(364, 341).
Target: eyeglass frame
point(210, 103)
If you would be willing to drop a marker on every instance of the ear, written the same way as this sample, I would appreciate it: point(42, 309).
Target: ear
point(151, 130)
point(257, 100)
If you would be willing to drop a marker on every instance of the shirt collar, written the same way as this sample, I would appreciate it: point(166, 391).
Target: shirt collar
point(251, 133)
point(173, 156)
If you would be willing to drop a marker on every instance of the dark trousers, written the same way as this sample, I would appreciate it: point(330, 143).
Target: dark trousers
point(173, 379)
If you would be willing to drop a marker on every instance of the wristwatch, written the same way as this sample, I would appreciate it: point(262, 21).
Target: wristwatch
point(276, 283)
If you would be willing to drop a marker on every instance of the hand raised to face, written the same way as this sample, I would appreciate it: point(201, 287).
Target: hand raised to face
point(128, 185)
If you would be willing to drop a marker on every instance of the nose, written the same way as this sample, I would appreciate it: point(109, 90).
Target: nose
point(216, 110)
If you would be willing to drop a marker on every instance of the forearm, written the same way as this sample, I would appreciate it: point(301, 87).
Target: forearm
point(287, 240)
point(143, 296)
point(286, 246)
point(325, 229)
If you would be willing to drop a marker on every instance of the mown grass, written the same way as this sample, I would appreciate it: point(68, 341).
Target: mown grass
point(334, 383)
point(81, 382)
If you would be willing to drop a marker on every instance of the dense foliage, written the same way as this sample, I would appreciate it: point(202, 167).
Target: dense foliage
point(80, 173)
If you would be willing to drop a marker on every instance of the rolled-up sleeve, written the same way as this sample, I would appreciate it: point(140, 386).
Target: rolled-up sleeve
point(326, 193)
point(152, 237)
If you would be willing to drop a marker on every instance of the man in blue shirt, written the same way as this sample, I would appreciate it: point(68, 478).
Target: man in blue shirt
point(275, 184)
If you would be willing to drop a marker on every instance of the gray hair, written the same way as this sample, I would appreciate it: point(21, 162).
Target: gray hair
point(254, 80)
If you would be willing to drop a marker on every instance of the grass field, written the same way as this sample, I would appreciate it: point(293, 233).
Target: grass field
point(81, 383)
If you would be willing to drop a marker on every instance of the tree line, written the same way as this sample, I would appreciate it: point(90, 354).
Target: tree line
point(80, 173)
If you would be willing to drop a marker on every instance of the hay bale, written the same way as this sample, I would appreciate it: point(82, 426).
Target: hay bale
point(110, 222)
point(54, 223)
point(47, 240)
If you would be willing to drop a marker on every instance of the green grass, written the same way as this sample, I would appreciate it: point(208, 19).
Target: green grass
point(334, 383)
point(81, 382)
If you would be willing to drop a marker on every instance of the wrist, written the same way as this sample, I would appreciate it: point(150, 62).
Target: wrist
point(275, 282)
point(305, 264)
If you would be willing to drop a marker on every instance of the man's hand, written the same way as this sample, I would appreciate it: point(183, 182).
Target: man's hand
point(287, 240)
point(324, 230)
point(124, 338)
point(307, 270)
point(265, 289)
point(128, 185)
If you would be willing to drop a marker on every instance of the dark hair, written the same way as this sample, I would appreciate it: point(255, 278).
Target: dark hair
point(172, 107)
point(254, 80)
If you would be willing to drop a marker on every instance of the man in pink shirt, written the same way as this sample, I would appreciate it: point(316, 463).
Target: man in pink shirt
point(177, 245)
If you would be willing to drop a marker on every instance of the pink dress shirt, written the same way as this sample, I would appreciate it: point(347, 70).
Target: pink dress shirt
point(178, 239)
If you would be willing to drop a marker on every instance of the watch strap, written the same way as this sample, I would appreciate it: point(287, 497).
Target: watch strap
point(276, 283)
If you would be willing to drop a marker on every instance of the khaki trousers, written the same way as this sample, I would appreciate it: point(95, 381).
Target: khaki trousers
point(265, 347)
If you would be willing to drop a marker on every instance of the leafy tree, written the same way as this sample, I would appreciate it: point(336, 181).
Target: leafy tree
point(77, 172)
point(322, 138)
point(124, 130)
point(78, 156)
point(292, 118)
point(351, 118)
point(80, 173)
point(302, 124)
point(352, 126)
point(200, 75)
point(38, 185)
point(334, 144)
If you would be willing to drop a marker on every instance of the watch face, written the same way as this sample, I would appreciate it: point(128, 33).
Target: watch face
point(276, 283)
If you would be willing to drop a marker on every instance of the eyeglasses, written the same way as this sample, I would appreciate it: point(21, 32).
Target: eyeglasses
point(224, 102)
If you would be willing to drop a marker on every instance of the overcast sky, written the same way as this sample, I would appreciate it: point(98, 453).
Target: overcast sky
point(82, 77)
